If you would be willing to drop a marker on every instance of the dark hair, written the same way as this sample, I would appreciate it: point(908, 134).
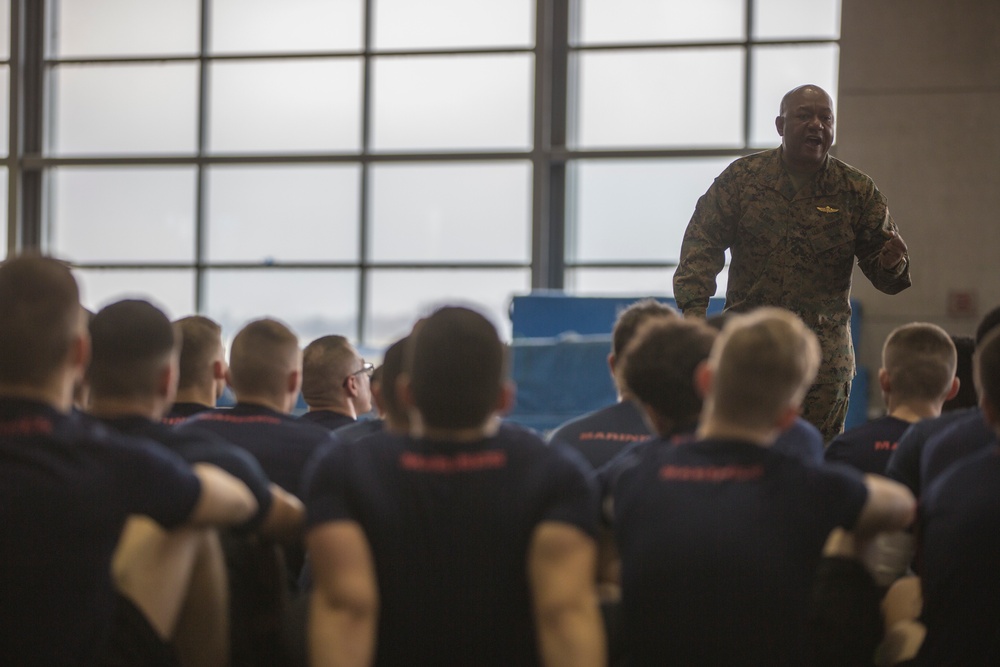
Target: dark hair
point(131, 340)
point(201, 340)
point(392, 368)
point(631, 318)
point(920, 360)
point(987, 324)
point(40, 314)
point(966, 396)
point(988, 369)
point(326, 363)
point(659, 365)
point(456, 364)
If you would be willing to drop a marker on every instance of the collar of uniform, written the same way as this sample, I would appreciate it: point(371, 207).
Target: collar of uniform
point(823, 182)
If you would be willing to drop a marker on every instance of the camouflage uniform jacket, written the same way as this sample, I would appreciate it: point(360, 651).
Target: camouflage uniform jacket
point(790, 249)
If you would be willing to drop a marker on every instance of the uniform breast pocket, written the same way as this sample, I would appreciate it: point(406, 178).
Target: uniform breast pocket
point(832, 244)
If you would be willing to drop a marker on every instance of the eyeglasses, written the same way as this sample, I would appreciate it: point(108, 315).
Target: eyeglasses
point(366, 368)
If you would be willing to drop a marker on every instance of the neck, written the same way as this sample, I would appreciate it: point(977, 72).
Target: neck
point(472, 434)
point(111, 407)
point(914, 411)
point(713, 427)
point(276, 403)
point(341, 408)
point(801, 169)
point(58, 397)
point(199, 395)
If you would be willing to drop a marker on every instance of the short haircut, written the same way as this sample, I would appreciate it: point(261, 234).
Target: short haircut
point(988, 369)
point(132, 340)
point(632, 317)
point(659, 366)
point(326, 363)
point(456, 363)
point(764, 361)
point(966, 397)
point(262, 355)
point(40, 315)
point(392, 368)
point(920, 360)
point(987, 324)
point(201, 344)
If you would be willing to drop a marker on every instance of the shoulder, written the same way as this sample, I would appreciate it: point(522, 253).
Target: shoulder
point(850, 178)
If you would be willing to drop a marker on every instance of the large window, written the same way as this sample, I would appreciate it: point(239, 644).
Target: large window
point(346, 165)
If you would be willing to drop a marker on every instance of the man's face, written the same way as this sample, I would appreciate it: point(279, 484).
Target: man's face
point(806, 127)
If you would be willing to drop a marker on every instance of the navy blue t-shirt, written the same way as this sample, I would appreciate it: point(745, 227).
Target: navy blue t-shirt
point(282, 444)
point(180, 411)
point(801, 441)
point(67, 485)
point(719, 543)
point(327, 419)
point(904, 464)
point(960, 549)
point(199, 446)
point(449, 526)
point(869, 446)
point(962, 437)
point(601, 434)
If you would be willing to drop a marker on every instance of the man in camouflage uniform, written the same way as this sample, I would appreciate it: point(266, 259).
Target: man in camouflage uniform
point(794, 218)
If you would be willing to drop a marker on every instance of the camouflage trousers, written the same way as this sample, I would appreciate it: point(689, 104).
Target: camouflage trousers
point(825, 407)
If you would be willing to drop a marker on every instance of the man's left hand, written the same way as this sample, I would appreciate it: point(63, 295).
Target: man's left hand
point(893, 251)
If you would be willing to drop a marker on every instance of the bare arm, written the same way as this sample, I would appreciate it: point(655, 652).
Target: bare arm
point(285, 519)
point(561, 568)
point(224, 500)
point(343, 610)
point(890, 506)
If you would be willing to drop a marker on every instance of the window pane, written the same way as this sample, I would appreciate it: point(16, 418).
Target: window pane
point(134, 108)
point(4, 108)
point(442, 212)
point(121, 214)
point(4, 29)
point(243, 26)
point(3, 211)
point(312, 302)
point(629, 282)
point(778, 69)
point(452, 102)
point(405, 24)
point(779, 19)
point(635, 210)
point(172, 291)
point(308, 106)
point(676, 98)
point(620, 21)
point(399, 298)
point(283, 213)
point(125, 27)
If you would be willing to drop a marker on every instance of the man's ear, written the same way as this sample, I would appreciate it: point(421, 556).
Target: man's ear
point(787, 418)
point(294, 381)
point(703, 377)
point(166, 382)
point(219, 370)
point(779, 124)
point(611, 363)
point(351, 386)
point(507, 398)
point(956, 384)
point(404, 391)
point(883, 380)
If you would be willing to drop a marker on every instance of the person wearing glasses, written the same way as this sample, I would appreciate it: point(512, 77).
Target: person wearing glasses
point(336, 382)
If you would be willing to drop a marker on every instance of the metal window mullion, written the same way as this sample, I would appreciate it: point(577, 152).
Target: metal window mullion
point(32, 117)
point(748, 74)
point(200, 279)
point(365, 181)
point(14, 126)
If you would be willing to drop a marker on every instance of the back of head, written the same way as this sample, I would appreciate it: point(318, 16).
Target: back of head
point(263, 353)
point(392, 368)
point(132, 341)
point(201, 345)
point(633, 317)
point(326, 363)
point(764, 361)
point(40, 315)
point(659, 366)
point(987, 324)
point(988, 373)
point(966, 397)
point(456, 364)
point(920, 359)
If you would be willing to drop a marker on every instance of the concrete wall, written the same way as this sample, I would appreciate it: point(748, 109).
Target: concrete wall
point(919, 111)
